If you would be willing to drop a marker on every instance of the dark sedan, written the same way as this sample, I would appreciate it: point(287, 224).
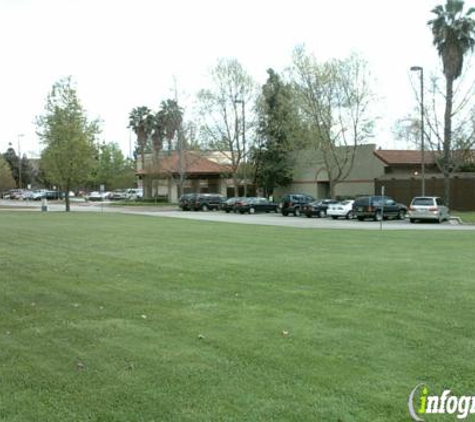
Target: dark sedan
point(253, 205)
point(318, 208)
point(230, 204)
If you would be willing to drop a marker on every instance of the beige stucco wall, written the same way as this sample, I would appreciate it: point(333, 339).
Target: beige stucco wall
point(310, 176)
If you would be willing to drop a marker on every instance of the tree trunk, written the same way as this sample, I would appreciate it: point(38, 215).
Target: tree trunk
point(66, 199)
point(447, 147)
point(333, 184)
point(236, 186)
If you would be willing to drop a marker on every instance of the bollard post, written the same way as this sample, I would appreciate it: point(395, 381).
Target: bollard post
point(44, 205)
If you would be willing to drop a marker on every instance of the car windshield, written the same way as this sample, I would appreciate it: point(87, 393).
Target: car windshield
point(423, 201)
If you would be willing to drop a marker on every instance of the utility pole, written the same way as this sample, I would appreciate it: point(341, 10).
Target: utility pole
point(243, 158)
point(423, 163)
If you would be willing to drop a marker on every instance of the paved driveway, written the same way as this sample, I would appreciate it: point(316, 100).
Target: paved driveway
point(304, 222)
point(260, 219)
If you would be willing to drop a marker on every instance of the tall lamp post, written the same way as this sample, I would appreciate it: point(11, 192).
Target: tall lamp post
point(19, 160)
point(243, 104)
point(423, 163)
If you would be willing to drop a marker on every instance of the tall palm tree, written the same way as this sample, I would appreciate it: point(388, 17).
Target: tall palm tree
point(141, 121)
point(171, 116)
point(453, 35)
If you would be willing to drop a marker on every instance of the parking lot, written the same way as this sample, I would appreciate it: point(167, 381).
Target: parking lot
point(304, 222)
point(259, 219)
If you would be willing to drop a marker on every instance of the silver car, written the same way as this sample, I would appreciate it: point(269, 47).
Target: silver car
point(428, 208)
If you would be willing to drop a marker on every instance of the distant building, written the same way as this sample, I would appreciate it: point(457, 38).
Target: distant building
point(170, 175)
point(311, 177)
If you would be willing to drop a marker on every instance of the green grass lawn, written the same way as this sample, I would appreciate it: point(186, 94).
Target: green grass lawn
point(466, 216)
point(108, 317)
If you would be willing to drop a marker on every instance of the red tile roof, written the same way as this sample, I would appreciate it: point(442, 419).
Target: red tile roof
point(404, 157)
point(190, 163)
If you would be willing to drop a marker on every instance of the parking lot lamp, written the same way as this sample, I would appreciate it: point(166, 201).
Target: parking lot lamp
point(423, 172)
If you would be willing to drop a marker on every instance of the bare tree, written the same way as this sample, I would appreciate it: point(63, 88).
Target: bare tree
point(336, 98)
point(226, 112)
point(462, 122)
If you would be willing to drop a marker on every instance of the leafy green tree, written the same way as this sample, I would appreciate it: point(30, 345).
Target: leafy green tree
point(68, 137)
point(6, 178)
point(12, 160)
point(453, 36)
point(277, 127)
point(112, 170)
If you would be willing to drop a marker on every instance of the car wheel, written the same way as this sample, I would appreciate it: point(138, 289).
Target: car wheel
point(401, 215)
point(297, 212)
point(322, 214)
point(349, 216)
point(204, 207)
point(227, 211)
point(285, 213)
point(378, 216)
point(252, 210)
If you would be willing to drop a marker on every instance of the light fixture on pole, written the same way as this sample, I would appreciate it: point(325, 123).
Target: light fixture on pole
point(423, 164)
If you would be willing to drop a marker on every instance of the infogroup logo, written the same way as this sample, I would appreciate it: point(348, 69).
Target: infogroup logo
point(421, 403)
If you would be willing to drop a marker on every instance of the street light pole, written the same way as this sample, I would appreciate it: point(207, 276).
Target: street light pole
point(243, 105)
point(423, 164)
point(19, 161)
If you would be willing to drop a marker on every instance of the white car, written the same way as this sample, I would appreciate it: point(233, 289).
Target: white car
point(343, 209)
point(134, 194)
point(97, 196)
point(428, 208)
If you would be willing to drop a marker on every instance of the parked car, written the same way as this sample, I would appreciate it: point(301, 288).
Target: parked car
point(317, 208)
point(206, 202)
point(38, 194)
point(377, 208)
point(53, 194)
point(428, 208)
point(98, 196)
point(118, 195)
point(292, 203)
point(186, 200)
point(343, 209)
point(253, 205)
point(229, 205)
point(13, 194)
point(134, 193)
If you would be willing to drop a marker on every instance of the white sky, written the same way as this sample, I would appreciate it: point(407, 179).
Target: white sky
point(126, 53)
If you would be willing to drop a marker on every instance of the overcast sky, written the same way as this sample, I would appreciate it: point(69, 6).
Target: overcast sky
point(127, 53)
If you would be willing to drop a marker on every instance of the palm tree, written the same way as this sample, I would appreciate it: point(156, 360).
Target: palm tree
point(141, 120)
point(453, 35)
point(171, 116)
